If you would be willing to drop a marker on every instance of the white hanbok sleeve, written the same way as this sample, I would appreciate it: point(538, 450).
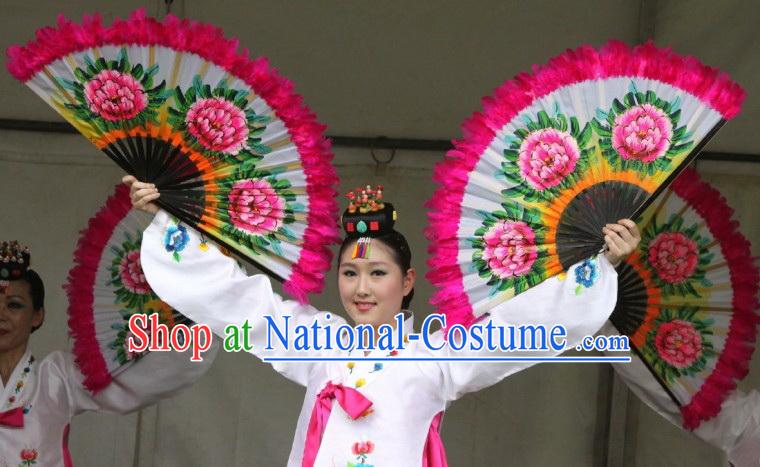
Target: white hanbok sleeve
point(557, 301)
point(735, 430)
point(211, 288)
point(156, 376)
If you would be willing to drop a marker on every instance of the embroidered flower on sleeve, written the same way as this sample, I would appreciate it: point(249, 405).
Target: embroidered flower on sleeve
point(586, 275)
point(176, 239)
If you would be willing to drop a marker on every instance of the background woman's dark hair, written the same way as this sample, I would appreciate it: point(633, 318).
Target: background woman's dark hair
point(36, 290)
point(402, 256)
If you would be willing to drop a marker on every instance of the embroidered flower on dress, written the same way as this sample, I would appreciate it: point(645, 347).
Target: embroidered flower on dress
point(362, 450)
point(28, 457)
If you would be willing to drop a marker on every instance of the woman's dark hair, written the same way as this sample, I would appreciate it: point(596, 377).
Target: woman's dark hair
point(402, 256)
point(36, 290)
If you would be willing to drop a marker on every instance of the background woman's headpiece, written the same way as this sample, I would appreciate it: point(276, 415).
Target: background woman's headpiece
point(14, 261)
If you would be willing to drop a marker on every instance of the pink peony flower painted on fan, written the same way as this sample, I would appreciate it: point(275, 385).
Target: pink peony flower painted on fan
point(115, 96)
point(678, 343)
point(674, 256)
point(132, 275)
point(548, 156)
point(510, 248)
point(218, 125)
point(255, 206)
point(642, 133)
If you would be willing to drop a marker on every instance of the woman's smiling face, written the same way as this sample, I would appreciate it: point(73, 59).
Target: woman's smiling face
point(17, 316)
point(372, 289)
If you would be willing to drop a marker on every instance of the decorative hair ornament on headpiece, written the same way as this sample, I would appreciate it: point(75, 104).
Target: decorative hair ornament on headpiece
point(367, 216)
point(14, 261)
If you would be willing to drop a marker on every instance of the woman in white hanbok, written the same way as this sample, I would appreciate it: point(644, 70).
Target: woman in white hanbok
point(362, 412)
point(40, 397)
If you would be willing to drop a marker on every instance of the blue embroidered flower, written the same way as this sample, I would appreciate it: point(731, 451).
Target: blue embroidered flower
point(378, 367)
point(586, 274)
point(176, 239)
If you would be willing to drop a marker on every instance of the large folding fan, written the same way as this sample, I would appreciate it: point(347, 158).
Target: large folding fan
point(232, 149)
point(687, 297)
point(587, 139)
point(106, 286)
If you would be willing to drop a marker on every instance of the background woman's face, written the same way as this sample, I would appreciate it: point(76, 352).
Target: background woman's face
point(372, 289)
point(17, 316)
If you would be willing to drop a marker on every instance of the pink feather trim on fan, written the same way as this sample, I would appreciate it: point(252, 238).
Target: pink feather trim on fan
point(733, 363)
point(79, 288)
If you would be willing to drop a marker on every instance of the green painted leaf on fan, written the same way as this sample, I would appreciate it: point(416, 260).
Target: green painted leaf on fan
point(68, 85)
point(123, 60)
point(137, 71)
point(81, 76)
point(92, 69)
point(618, 106)
point(675, 117)
point(261, 149)
point(101, 64)
point(574, 126)
point(543, 119)
point(206, 91)
point(651, 97)
point(509, 140)
point(513, 192)
point(287, 233)
point(276, 247)
point(601, 130)
point(676, 104)
point(262, 119)
point(679, 133)
point(521, 133)
point(562, 123)
point(681, 147)
point(585, 136)
point(629, 100)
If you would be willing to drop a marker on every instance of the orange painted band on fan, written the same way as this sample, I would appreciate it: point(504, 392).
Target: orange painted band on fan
point(205, 166)
point(654, 295)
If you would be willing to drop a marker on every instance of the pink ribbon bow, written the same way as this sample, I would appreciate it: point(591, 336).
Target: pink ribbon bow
point(13, 418)
point(352, 401)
